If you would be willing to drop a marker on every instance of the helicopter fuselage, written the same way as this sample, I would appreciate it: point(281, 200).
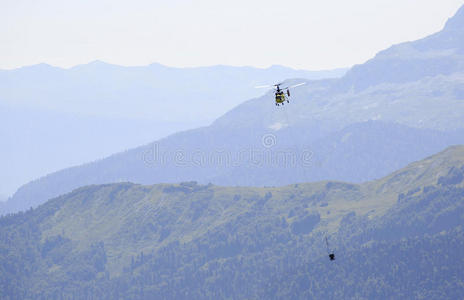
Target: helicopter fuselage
point(280, 97)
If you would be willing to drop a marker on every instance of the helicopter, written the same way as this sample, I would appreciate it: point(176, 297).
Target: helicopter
point(282, 95)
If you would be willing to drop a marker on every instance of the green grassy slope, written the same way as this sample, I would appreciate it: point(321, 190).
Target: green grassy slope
point(189, 237)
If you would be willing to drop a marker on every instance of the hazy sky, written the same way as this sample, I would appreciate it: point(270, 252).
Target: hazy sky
point(309, 34)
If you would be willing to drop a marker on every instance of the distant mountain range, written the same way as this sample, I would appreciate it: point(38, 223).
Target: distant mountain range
point(439, 54)
point(153, 92)
point(397, 108)
point(401, 235)
point(52, 118)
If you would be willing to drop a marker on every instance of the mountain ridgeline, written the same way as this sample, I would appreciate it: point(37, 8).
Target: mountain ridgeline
point(399, 236)
point(439, 54)
point(403, 105)
point(91, 111)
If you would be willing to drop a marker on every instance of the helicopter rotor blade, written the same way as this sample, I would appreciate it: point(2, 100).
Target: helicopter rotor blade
point(263, 86)
point(299, 84)
point(292, 86)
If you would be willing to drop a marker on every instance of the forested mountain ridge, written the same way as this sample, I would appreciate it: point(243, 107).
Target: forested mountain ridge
point(361, 152)
point(187, 241)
